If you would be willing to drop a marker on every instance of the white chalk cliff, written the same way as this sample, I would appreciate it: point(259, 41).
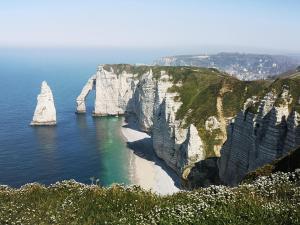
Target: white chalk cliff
point(113, 92)
point(143, 101)
point(255, 139)
point(179, 147)
point(81, 108)
point(147, 97)
point(45, 112)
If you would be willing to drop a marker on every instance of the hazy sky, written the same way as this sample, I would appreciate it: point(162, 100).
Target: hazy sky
point(181, 24)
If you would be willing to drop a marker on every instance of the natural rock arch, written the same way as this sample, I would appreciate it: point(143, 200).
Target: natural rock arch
point(89, 86)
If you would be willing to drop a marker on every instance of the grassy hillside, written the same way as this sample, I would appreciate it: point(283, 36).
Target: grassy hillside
point(293, 82)
point(268, 200)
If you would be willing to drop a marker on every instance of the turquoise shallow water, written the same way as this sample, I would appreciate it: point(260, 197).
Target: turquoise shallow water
point(80, 146)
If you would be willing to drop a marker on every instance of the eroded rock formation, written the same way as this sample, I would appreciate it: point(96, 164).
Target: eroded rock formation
point(212, 123)
point(113, 92)
point(147, 97)
point(45, 112)
point(143, 101)
point(81, 108)
point(255, 139)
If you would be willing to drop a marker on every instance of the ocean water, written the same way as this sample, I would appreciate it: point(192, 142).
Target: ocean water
point(80, 146)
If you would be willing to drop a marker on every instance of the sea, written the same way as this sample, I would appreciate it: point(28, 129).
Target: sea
point(80, 147)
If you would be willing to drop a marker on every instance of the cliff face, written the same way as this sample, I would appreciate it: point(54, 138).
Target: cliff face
point(143, 101)
point(45, 112)
point(255, 139)
point(179, 147)
point(148, 98)
point(113, 92)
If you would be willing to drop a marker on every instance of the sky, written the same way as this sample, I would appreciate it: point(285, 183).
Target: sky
point(270, 25)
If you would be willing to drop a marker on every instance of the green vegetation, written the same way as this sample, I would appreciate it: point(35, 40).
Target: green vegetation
point(293, 84)
point(234, 100)
point(210, 140)
point(198, 94)
point(119, 68)
point(268, 200)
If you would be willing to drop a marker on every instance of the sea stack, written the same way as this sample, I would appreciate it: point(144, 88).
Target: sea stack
point(45, 112)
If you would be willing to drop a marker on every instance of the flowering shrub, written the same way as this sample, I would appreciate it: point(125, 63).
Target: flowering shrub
point(268, 200)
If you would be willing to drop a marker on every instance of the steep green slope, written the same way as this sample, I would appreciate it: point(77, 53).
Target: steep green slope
point(293, 83)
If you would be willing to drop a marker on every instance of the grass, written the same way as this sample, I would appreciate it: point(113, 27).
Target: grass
point(268, 200)
point(234, 100)
point(293, 84)
point(119, 68)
